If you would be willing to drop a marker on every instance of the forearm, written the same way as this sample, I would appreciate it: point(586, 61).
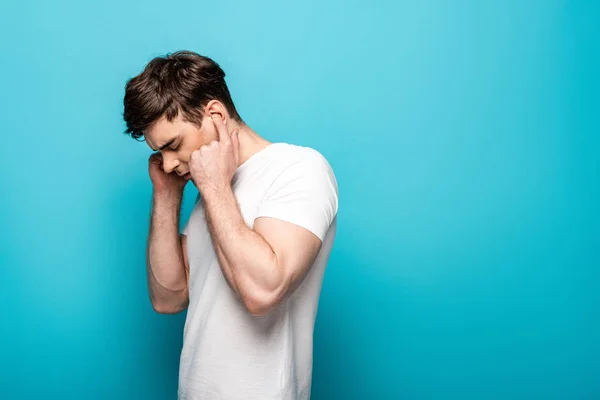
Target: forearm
point(225, 267)
point(166, 272)
point(250, 266)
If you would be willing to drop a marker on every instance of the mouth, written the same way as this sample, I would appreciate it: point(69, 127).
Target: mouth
point(187, 176)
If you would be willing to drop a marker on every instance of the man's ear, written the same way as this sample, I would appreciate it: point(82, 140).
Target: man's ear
point(216, 107)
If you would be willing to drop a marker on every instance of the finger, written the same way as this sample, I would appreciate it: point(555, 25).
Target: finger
point(156, 158)
point(221, 128)
point(235, 141)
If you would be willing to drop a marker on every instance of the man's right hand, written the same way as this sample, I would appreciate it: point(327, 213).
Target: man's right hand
point(162, 181)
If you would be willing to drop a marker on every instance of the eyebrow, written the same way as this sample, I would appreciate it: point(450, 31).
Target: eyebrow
point(170, 142)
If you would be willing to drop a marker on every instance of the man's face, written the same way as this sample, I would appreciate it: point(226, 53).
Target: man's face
point(176, 140)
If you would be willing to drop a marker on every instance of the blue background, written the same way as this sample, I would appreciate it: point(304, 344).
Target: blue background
point(465, 139)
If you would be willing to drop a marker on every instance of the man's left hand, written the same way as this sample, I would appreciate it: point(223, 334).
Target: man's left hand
point(212, 166)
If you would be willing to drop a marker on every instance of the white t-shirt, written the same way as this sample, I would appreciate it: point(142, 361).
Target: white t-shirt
point(228, 353)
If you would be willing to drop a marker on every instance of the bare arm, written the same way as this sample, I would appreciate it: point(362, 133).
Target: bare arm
point(167, 265)
point(263, 265)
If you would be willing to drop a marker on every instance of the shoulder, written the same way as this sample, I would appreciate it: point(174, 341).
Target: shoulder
point(293, 158)
point(304, 171)
point(303, 189)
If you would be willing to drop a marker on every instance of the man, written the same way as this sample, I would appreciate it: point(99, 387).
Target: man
point(249, 263)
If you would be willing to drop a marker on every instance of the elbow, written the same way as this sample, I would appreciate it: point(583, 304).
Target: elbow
point(168, 307)
point(261, 298)
point(258, 309)
point(262, 303)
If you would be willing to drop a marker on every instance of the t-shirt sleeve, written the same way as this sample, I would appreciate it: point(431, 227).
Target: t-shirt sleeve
point(305, 194)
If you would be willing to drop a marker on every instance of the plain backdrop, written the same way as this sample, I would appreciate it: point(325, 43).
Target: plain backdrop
point(465, 140)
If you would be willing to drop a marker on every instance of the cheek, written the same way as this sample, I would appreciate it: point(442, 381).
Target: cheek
point(210, 136)
point(186, 153)
point(205, 137)
point(208, 132)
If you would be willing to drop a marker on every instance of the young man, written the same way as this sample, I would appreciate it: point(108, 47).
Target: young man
point(249, 263)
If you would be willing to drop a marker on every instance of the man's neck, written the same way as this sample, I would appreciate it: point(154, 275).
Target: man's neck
point(250, 142)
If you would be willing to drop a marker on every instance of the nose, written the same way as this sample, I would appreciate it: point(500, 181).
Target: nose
point(169, 163)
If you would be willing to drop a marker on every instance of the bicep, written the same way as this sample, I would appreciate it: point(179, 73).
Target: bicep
point(295, 248)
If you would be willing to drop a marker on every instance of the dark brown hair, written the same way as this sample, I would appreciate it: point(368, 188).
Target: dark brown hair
point(184, 82)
